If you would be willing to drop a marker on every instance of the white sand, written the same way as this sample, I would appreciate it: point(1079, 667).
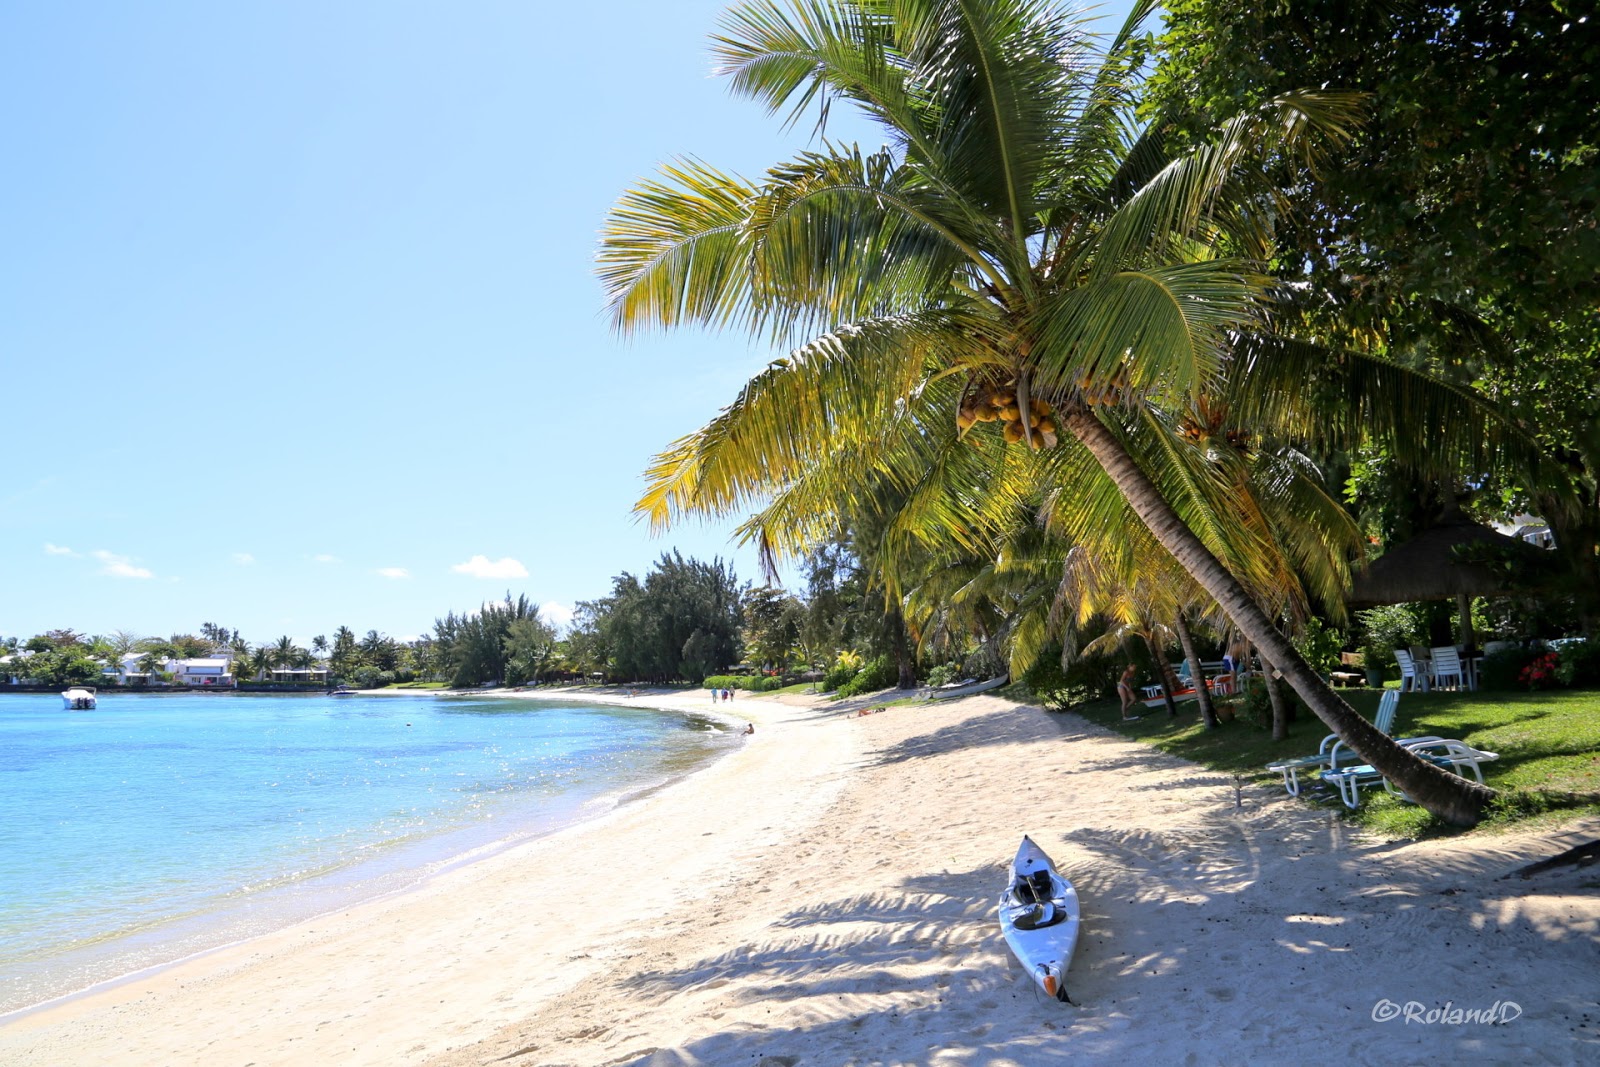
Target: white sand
point(825, 896)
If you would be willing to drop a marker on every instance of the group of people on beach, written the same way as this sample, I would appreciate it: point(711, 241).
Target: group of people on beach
point(718, 695)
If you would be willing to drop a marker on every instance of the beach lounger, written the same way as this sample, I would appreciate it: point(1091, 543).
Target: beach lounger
point(1328, 752)
point(1445, 752)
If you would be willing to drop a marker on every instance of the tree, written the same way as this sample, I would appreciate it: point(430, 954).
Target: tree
point(473, 646)
point(530, 647)
point(1023, 251)
point(342, 660)
point(771, 626)
point(1459, 232)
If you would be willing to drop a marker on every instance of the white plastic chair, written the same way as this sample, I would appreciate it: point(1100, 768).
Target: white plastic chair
point(1447, 664)
point(1411, 679)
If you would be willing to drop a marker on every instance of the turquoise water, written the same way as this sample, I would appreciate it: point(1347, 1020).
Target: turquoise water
point(162, 825)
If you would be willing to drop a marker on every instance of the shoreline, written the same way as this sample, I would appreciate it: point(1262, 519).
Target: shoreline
point(386, 870)
point(825, 893)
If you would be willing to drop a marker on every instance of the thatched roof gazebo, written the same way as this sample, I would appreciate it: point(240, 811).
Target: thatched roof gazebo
point(1457, 558)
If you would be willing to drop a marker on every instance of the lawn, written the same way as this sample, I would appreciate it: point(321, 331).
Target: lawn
point(1549, 746)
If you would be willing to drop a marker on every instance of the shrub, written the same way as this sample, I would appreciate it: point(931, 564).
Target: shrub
point(944, 674)
point(839, 674)
point(1388, 628)
point(753, 683)
point(1089, 678)
point(1319, 643)
point(879, 673)
point(1501, 671)
point(1579, 663)
point(1541, 672)
point(1255, 706)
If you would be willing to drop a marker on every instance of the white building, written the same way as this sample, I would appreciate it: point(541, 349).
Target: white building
point(1529, 528)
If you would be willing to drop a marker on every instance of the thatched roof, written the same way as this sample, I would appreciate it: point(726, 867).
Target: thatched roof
point(1430, 566)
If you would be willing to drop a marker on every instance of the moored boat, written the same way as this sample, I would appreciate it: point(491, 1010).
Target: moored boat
point(1039, 918)
point(80, 698)
point(342, 691)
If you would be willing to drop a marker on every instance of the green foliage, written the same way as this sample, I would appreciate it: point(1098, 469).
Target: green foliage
point(1501, 670)
point(530, 649)
point(772, 624)
point(1579, 664)
point(472, 646)
point(64, 665)
point(682, 622)
point(1089, 678)
point(1319, 644)
point(753, 683)
point(1255, 704)
point(839, 674)
point(944, 674)
point(1386, 628)
point(880, 672)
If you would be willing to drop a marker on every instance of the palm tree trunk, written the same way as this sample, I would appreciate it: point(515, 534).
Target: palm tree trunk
point(1202, 688)
point(905, 663)
point(1282, 711)
point(1457, 800)
point(1163, 675)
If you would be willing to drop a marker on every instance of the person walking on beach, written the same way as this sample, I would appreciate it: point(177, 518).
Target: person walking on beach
point(1125, 691)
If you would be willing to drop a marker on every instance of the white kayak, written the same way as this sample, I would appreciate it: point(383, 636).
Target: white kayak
point(1039, 917)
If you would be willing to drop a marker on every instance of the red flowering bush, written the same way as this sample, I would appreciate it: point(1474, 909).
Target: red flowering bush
point(1541, 673)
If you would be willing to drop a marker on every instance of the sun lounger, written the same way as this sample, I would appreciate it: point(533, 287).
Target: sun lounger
point(1452, 754)
point(1328, 752)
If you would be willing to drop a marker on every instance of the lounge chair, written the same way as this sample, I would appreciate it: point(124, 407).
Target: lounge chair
point(1328, 752)
point(1440, 750)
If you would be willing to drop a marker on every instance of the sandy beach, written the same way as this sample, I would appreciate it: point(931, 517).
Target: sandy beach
point(825, 896)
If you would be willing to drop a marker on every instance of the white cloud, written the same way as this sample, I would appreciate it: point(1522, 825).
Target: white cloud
point(57, 550)
point(394, 572)
point(119, 566)
point(484, 567)
point(243, 559)
point(326, 558)
point(556, 614)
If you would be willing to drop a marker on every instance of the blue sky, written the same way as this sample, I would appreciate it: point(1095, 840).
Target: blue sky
point(298, 320)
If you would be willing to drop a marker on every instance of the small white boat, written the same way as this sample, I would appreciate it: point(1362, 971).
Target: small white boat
point(343, 691)
point(1039, 918)
point(79, 698)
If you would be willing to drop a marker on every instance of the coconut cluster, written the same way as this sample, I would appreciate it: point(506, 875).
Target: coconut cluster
point(1112, 391)
point(1035, 425)
point(1239, 440)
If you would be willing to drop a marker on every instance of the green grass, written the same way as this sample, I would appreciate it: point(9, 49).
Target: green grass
point(1549, 746)
point(798, 687)
point(420, 685)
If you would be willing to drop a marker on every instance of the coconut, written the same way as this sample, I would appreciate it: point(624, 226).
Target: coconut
point(1013, 432)
point(1045, 426)
point(965, 421)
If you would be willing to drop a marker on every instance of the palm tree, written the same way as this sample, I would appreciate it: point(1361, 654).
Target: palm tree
point(1023, 248)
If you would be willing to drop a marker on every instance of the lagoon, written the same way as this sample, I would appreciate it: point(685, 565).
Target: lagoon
point(158, 826)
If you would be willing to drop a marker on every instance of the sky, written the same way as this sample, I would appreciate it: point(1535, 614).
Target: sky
point(299, 326)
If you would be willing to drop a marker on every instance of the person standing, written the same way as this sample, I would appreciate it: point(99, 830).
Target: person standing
point(1125, 692)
